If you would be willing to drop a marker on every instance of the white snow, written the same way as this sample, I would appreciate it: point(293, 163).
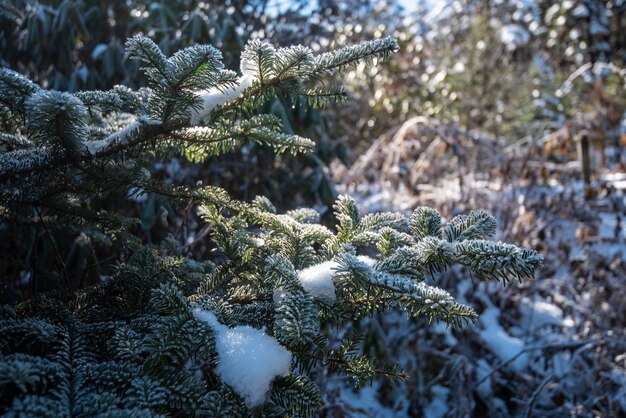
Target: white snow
point(208, 318)
point(483, 369)
point(561, 364)
point(514, 36)
point(137, 195)
point(364, 402)
point(597, 28)
point(247, 359)
point(215, 97)
point(369, 261)
point(95, 146)
point(120, 136)
point(502, 344)
point(317, 280)
point(441, 328)
point(540, 313)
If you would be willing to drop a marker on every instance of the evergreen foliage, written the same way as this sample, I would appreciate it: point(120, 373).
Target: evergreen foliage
point(131, 345)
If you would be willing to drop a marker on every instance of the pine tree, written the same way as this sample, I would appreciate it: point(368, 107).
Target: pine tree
point(238, 331)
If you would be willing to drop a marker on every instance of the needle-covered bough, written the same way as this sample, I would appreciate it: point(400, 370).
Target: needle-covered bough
point(237, 332)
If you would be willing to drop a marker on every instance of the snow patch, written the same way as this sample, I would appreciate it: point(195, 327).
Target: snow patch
point(317, 280)
point(95, 146)
point(597, 28)
point(442, 329)
point(137, 195)
point(500, 343)
point(215, 97)
point(364, 402)
point(120, 136)
point(540, 313)
point(514, 36)
point(369, 261)
point(483, 369)
point(247, 359)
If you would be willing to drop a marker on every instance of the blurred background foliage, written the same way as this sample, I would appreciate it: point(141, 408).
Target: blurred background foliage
point(506, 69)
point(78, 45)
point(491, 65)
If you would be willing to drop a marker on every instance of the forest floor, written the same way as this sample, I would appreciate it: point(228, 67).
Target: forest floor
point(549, 347)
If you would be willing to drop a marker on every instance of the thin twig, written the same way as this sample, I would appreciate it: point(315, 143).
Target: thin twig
point(568, 344)
point(535, 395)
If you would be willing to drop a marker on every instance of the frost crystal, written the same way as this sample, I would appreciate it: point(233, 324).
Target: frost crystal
point(247, 359)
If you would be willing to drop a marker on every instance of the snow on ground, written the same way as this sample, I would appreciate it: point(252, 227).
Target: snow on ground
point(438, 407)
point(342, 400)
point(567, 325)
point(505, 346)
point(514, 36)
point(539, 313)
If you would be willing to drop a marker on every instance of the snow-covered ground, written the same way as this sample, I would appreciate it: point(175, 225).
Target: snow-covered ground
point(553, 346)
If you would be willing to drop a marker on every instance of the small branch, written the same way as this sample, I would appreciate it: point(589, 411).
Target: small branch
point(535, 396)
point(326, 361)
point(565, 345)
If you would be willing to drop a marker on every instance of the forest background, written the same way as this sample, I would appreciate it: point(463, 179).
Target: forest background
point(487, 105)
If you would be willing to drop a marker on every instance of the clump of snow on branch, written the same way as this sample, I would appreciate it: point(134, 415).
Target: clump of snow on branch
point(369, 261)
point(247, 359)
point(119, 137)
point(318, 279)
point(95, 146)
point(215, 97)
